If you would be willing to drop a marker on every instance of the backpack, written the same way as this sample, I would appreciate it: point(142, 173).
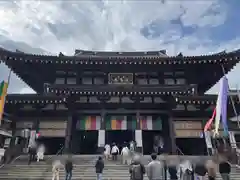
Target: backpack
point(136, 172)
point(200, 170)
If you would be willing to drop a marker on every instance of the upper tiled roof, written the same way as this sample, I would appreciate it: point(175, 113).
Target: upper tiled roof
point(89, 57)
point(80, 53)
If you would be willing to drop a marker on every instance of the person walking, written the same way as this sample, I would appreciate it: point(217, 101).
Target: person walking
point(211, 167)
point(40, 152)
point(114, 152)
point(137, 170)
point(99, 166)
point(56, 170)
point(155, 169)
point(68, 169)
point(172, 170)
point(171, 166)
point(107, 151)
point(200, 171)
point(224, 169)
point(185, 171)
point(31, 154)
point(132, 146)
point(125, 153)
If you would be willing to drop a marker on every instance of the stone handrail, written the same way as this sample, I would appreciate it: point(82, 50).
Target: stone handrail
point(177, 159)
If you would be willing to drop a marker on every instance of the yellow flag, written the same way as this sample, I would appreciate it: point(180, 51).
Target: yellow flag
point(3, 94)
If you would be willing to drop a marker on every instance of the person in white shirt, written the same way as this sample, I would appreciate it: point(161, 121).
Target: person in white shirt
point(57, 165)
point(107, 151)
point(114, 152)
point(40, 152)
point(185, 170)
point(125, 155)
point(155, 169)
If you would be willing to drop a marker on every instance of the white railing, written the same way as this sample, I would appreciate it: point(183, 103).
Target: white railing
point(180, 151)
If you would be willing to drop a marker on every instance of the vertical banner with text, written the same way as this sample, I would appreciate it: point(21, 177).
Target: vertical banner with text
point(101, 138)
point(138, 138)
point(208, 139)
point(32, 138)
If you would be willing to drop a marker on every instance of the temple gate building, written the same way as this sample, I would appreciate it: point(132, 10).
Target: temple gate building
point(93, 98)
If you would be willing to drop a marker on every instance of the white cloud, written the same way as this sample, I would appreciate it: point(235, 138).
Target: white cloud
point(113, 25)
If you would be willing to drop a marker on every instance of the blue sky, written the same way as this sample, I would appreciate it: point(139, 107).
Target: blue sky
point(191, 27)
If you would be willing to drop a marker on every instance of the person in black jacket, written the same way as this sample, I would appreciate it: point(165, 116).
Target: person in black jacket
point(200, 170)
point(172, 168)
point(225, 170)
point(32, 154)
point(137, 170)
point(99, 168)
point(172, 172)
point(68, 169)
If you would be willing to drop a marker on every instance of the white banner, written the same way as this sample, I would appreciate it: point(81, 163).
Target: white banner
point(101, 138)
point(138, 138)
point(32, 139)
point(208, 139)
point(7, 142)
point(232, 139)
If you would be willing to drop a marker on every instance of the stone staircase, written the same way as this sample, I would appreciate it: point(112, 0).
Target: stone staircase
point(235, 173)
point(83, 169)
point(43, 170)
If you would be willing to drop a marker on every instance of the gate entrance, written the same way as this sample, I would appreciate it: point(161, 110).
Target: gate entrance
point(119, 137)
point(148, 139)
point(86, 142)
point(192, 146)
point(53, 145)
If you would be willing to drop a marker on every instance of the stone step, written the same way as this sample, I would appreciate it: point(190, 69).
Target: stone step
point(84, 178)
point(88, 169)
point(63, 177)
point(87, 178)
point(84, 171)
point(75, 169)
point(49, 165)
point(87, 172)
point(80, 176)
point(50, 162)
point(74, 172)
point(78, 168)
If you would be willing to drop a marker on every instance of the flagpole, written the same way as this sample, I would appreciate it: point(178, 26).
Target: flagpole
point(9, 77)
point(231, 99)
point(238, 94)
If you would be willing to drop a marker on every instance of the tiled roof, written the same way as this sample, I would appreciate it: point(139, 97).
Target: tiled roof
point(79, 53)
point(123, 90)
point(205, 99)
point(107, 58)
point(34, 98)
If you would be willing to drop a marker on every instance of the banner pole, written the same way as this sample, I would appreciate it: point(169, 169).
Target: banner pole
point(9, 77)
